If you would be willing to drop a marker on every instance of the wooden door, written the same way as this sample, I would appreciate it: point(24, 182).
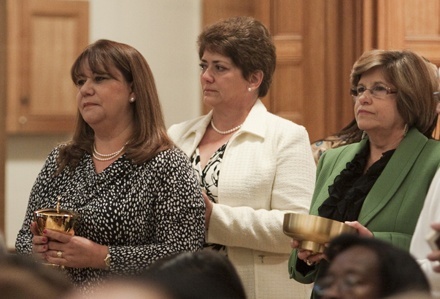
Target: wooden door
point(39, 40)
point(315, 52)
point(43, 39)
point(2, 113)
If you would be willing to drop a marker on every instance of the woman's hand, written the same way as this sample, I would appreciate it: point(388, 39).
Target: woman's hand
point(435, 254)
point(208, 204)
point(73, 251)
point(309, 257)
point(39, 243)
point(362, 230)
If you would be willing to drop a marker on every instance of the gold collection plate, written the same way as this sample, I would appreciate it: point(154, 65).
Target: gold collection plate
point(313, 232)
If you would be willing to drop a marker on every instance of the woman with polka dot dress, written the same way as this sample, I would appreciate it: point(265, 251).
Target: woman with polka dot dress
point(136, 193)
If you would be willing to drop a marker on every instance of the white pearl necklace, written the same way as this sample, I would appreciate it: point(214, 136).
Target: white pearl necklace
point(106, 157)
point(227, 131)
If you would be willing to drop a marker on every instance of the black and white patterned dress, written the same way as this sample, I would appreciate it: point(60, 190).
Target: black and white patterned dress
point(208, 178)
point(142, 212)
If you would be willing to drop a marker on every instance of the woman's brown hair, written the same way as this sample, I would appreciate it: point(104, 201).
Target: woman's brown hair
point(247, 42)
point(149, 135)
point(414, 80)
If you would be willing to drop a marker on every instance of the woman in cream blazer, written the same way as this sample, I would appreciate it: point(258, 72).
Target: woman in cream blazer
point(267, 170)
point(252, 166)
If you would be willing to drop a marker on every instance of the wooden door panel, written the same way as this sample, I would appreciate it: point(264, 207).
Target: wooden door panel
point(52, 90)
point(391, 21)
point(214, 10)
point(422, 20)
point(44, 38)
point(410, 25)
point(3, 63)
point(287, 92)
point(286, 18)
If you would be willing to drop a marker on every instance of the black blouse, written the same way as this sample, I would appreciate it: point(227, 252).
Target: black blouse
point(351, 187)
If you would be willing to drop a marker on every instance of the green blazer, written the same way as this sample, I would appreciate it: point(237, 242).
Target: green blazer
point(392, 206)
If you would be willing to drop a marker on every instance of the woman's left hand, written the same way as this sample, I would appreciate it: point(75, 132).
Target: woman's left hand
point(74, 251)
point(362, 230)
point(208, 204)
point(435, 254)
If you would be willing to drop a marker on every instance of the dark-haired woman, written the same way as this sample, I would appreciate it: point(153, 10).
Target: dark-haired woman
point(137, 195)
point(253, 166)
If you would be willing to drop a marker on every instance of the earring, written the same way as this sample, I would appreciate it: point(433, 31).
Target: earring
point(249, 89)
point(364, 134)
point(405, 130)
point(132, 100)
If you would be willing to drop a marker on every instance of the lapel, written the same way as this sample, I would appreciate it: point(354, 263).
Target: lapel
point(191, 138)
point(393, 175)
point(255, 122)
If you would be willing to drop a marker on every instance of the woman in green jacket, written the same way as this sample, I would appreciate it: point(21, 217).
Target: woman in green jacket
point(379, 184)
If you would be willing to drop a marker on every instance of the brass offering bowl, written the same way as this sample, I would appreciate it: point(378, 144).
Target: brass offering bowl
point(56, 219)
point(313, 232)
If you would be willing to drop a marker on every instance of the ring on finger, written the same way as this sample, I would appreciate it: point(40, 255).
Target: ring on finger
point(59, 254)
point(309, 263)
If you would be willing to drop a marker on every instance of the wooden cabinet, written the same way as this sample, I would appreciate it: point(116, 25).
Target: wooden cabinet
point(43, 38)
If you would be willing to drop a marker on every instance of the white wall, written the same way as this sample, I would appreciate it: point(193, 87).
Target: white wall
point(165, 32)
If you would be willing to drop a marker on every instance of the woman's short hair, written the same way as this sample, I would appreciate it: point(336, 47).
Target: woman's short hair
point(398, 270)
point(247, 42)
point(414, 80)
point(149, 132)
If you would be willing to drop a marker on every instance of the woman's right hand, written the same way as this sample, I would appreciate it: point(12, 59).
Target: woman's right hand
point(309, 257)
point(435, 254)
point(39, 243)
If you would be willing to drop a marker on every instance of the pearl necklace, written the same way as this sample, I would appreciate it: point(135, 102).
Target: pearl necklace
point(106, 157)
point(227, 131)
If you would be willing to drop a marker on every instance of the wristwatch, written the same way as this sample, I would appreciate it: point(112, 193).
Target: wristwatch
point(107, 261)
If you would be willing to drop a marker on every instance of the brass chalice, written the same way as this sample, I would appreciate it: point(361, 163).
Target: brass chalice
point(56, 219)
point(313, 232)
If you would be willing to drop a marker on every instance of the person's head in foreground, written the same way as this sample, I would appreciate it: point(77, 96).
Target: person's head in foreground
point(22, 278)
point(367, 268)
point(123, 288)
point(197, 275)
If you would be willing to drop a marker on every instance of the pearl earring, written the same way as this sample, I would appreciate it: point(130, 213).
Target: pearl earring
point(249, 89)
point(132, 100)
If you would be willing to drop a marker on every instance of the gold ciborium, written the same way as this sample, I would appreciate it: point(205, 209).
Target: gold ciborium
point(56, 219)
point(313, 232)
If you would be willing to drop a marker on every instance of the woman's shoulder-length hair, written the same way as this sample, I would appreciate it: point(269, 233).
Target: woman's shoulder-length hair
point(413, 79)
point(149, 132)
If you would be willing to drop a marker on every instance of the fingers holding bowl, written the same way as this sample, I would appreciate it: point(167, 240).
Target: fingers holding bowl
point(311, 232)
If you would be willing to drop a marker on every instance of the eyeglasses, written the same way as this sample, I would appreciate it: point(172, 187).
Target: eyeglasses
point(345, 285)
point(377, 91)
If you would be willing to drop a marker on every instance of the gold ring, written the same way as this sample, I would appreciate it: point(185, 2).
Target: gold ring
point(309, 263)
point(59, 254)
